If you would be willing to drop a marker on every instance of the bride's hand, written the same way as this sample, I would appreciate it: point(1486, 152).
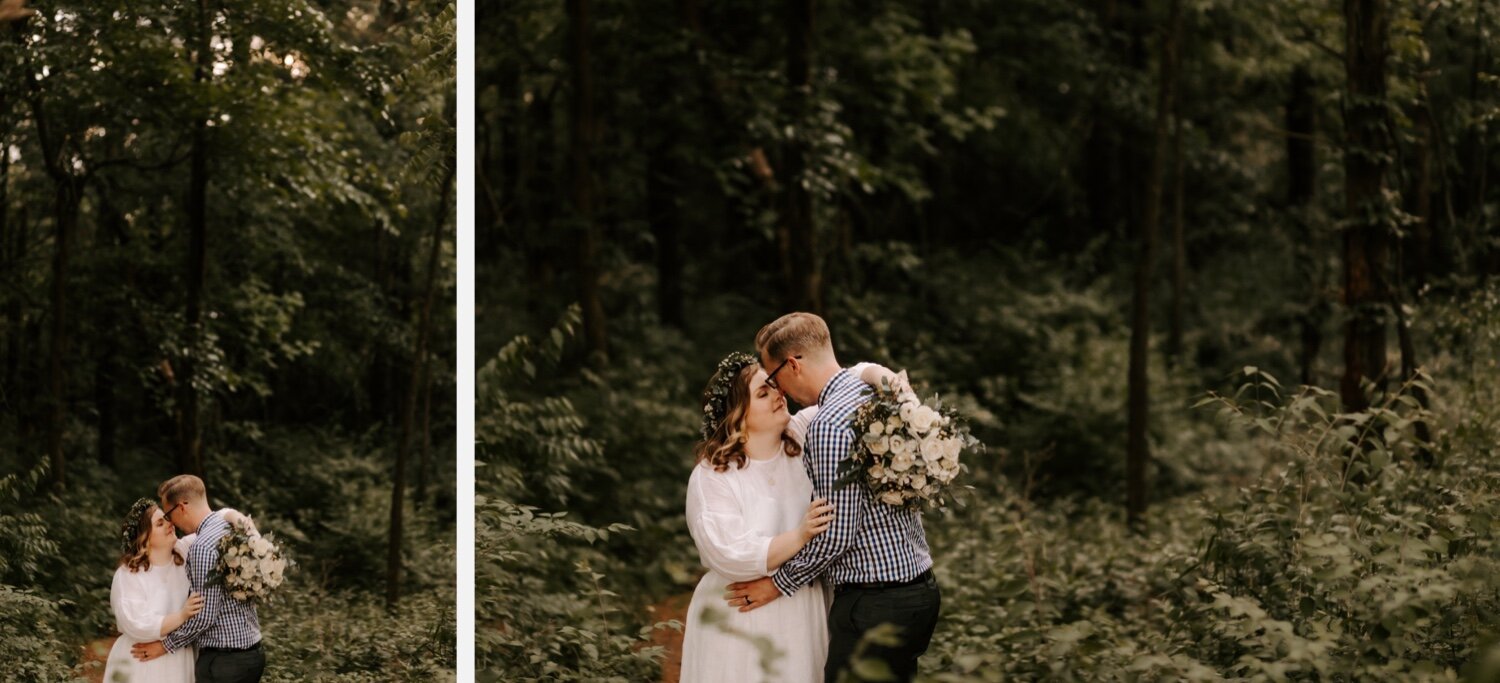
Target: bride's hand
point(193, 606)
point(819, 516)
point(237, 518)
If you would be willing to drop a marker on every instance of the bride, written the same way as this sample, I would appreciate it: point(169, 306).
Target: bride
point(748, 512)
point(150, 597)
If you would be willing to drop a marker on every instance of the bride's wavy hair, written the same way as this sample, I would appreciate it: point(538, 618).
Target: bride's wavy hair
point(726, 443)
point(137, 553)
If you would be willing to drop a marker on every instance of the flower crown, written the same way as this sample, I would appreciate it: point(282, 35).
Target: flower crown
point(132, 522)
point(716, 396)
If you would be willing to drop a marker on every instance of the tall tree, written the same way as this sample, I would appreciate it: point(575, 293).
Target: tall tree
point(1366, 239)
point(1302, 169)
point(582, 129)
point(797, 227)
point(190, 438)
point(413, 390)
point(1138, 445)
point(67, 194)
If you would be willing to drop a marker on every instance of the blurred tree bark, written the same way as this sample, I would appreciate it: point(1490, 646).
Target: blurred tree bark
point(582, 127)
point(797, 232)
point(67, 195)
point(1302, 175)
point(414, 388)
point(1366, 243)
point(1138, 444)
point(190, 443)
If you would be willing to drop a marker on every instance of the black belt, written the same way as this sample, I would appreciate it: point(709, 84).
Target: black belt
point(252, 648)
point(884, 584)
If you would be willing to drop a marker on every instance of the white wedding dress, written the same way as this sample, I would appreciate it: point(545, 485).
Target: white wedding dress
point(732, 516)
point(140, 601)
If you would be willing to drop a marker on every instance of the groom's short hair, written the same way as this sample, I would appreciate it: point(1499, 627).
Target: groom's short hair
point(793, 334)
point(181, 488)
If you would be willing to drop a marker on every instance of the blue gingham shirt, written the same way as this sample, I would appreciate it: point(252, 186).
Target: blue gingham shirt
point(224, 621)
point(868, 541)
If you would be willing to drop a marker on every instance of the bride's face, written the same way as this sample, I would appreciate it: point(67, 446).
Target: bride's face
point(163, 534)
point(767, 409)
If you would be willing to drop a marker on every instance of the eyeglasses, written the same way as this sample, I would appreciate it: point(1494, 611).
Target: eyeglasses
point(771, 378)
point(168, 513)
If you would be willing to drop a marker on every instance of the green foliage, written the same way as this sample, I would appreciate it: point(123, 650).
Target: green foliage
point(1345, 557)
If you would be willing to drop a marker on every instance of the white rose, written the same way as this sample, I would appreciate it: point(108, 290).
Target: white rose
point(922, 418)
point(909, 410)
point(260, 544)
point(891, 498)
point(877, 428)
point(240, 595)
point(893, 423)
point(952, 447)
point(902, 462)
point(877, 472)
point(897, 444)
point(879, 446)
point(918, 481)
point(932, 449)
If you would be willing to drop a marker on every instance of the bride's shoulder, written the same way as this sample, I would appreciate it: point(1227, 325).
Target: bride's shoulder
point(705, 474)
point(123, 576)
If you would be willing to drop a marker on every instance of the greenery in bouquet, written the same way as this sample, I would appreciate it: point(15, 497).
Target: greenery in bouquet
point(251, 566)
point(908, 451)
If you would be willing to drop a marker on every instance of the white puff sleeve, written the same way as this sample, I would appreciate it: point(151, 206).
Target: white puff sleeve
point(796, 429)
point(133, 616)
point(726, 543)
point(184, 543)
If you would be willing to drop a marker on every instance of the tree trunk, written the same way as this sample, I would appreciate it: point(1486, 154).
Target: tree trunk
point(799, 243)
point(106, 366)
point(190, 441)
point(413, 388)
point(582, 134)
point(1179, 241)
point(424, 464)
point(66, 197)
point(1366, 241)
point(1418, 250)
point(1139, 447)
point(1302, 174)
point(9, 260)
point(663, 203)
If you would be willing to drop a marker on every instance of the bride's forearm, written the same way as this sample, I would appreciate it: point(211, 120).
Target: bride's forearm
point(783, 547)
point(873, 373)
point(171, 622)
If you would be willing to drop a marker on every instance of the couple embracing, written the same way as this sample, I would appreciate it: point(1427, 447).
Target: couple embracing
point(175, 625)
point(801, 563)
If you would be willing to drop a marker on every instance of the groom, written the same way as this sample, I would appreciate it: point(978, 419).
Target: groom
point(875, 555)
point(227, 632)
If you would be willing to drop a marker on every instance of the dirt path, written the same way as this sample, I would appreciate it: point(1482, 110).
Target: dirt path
point(92, 658)
point(674, 607)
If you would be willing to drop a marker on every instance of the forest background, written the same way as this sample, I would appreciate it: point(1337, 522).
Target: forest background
point(226, 248)
point(1215, 281)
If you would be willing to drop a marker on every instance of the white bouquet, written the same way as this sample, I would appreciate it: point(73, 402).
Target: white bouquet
point(907, 451)
point(251, 567)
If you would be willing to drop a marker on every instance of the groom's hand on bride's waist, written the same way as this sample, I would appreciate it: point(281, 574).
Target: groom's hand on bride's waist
point(148, 651)
point(749, 595)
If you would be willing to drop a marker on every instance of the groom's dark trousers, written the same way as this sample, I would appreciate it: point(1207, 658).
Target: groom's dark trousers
point(912, 606)
point(217, 665)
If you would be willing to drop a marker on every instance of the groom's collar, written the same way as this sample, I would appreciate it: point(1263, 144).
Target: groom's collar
point(834, 384)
